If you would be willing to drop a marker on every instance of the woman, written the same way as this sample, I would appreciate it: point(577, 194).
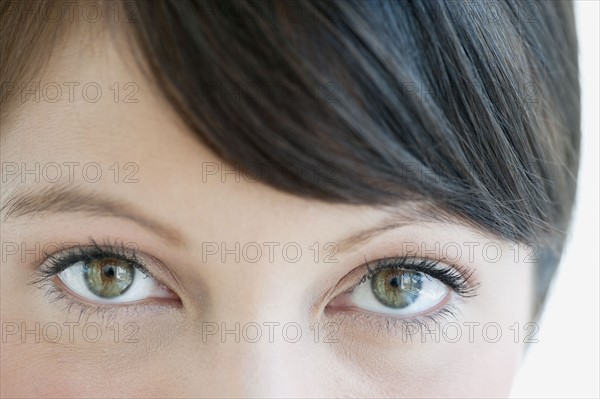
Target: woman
point(281, 199)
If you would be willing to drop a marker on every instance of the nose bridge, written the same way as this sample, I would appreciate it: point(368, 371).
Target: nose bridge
point(258, 288)
point(255, 330)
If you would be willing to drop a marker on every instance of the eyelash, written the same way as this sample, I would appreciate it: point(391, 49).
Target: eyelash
point(458, 278)
point(454, 276)
point(59, 261)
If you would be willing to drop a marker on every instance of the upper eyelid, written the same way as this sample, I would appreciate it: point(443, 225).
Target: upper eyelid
point(463, 273)
point(45, 269)
point(349, 281)
point(402, 262)
point(352, 279)
point(144, 261)
point(150, 264)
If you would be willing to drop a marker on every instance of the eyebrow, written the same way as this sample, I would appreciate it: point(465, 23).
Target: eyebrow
point(365, 235)
point(60, 199)
point(398, 217)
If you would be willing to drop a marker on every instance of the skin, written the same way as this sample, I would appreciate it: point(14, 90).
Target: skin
point(172, 358)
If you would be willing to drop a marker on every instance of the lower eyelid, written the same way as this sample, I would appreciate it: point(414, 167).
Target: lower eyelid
point(338, 306)
point(59, 290)
point(390, 326)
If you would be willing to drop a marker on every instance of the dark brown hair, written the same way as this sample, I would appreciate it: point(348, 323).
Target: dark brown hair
point(472, 108)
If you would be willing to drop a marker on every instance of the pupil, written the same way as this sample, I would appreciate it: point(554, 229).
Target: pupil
point(109, 271)
point(395, 282)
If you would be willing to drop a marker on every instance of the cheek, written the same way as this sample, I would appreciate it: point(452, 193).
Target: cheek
point(394, 370)
point(433, 369)
point(485, 369)
point(37, 373)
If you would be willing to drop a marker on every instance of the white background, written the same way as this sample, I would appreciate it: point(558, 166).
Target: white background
point(565, 361)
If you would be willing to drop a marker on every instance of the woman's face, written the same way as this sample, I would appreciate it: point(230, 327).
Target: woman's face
point(255, 292)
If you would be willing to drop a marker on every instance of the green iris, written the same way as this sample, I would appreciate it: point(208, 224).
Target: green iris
point(397, 288)
point(107, 277)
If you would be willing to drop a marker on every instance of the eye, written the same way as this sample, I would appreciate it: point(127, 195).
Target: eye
point(111, 280)
point(397, 292)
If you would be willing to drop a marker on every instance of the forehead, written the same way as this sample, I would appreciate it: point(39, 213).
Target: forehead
point(92, 105)
point(93, 111)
